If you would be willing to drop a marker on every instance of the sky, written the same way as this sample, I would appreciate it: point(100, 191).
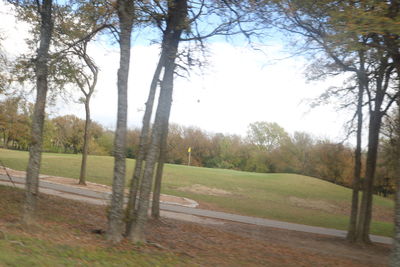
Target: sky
point(239, 86)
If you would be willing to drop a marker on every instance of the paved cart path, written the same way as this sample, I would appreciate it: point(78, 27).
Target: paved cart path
point(174, 209)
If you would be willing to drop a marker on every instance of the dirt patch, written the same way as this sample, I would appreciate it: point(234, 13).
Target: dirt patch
point(313, 204)
point(11, 172)
point(204, 190)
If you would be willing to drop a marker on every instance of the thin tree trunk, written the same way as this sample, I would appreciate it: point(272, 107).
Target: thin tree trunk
point(155, 208)
point(177, 13)
point(86, 139)
point(135, 182)
point(351, 234)
point(91, 84)
point(115, 216)
point(33, 169)
point(163, 109)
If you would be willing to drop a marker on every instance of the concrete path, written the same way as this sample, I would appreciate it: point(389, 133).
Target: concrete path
point(170, 210)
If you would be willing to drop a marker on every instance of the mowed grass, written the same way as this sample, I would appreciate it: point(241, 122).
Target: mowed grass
point(286, 197)
point(18, 250)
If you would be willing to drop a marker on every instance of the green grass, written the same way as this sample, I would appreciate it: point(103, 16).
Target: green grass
point(19, 251)
point(253, 194)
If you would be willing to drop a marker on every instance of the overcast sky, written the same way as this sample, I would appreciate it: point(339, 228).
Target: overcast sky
point(239, 86)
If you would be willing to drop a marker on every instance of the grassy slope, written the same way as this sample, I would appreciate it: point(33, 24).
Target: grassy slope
point(261, 195)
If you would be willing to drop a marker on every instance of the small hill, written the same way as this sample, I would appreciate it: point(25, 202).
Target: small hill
point(286, 197)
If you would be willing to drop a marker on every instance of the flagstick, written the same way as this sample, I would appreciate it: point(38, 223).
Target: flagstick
point(190, 153)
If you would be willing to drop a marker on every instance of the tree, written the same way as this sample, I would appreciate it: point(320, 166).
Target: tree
point(4, 69)
point(266, 135)
point(221, 24)
point(87, 84)
point(86, 20)
point(176, 23)
point(344, 32)
point(395, 257)
point(44, 9)
point(126, 12)
point(9, 117)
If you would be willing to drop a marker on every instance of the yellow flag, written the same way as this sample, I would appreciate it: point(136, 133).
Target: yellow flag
point(189, 149)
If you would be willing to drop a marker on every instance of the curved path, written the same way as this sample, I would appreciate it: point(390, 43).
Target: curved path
point(102, 198)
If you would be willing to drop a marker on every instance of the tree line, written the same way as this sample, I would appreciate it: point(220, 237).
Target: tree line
point(267, 147)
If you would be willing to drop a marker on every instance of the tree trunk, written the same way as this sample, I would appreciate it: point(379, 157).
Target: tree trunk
point(366, 204)
point(86, 139)
point(135, 182)
point(395, 257)
point(155, 208)
point(35, 150)
point(176, 22)
point(115, 216)
point(162, 115)
point(351, 234)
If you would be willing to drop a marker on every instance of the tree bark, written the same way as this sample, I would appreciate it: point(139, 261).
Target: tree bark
point(35, 150)
point(162, 114)
point(86, 139)
point(177, 13)
point(88, 95)
point(115, 224)
point(362, 83)
point(144, 135)
point(155, 208)
point(364, 222)
point(395, 257)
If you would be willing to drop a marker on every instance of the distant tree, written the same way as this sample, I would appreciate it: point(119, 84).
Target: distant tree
point(4, 68)
point(266, 135)
point(14, 122)
point(300, 148)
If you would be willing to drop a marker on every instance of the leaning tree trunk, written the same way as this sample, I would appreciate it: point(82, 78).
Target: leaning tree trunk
point(177, 13)
point(35, 150)
point(155, 208)
point(135, 182)
point(115, 216)
point(162, 115)
point(86, 139)
point(351, 234)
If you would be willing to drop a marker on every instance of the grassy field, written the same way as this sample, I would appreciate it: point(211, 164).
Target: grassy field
point(286, 197)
